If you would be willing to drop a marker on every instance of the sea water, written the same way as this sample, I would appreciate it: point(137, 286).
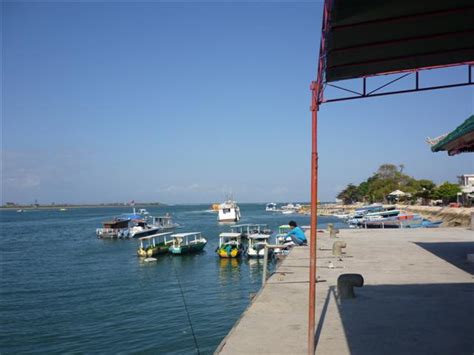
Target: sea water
point(65, 290)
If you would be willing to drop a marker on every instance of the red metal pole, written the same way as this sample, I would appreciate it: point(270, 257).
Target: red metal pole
point(316, 90)
point(314, 218)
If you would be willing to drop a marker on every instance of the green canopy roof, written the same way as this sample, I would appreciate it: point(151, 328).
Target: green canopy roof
point(458, 141)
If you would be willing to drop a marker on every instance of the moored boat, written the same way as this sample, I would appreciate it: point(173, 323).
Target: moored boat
point(290, 208)
point(271, 207)
point(280, 237)
point(230, 245)
point(256, 247)
point(154, 245)
point(163, 223)
point(246, 229)
point(186, 243)
point(118, 228)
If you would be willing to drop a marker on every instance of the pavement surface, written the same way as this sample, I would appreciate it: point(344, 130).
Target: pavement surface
point(417, 298)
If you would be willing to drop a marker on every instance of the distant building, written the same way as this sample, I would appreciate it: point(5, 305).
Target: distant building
point(466, 196)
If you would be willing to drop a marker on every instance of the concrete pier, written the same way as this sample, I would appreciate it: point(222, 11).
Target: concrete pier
point(417, 298)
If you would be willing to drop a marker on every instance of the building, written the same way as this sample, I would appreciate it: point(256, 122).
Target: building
point(466, 196)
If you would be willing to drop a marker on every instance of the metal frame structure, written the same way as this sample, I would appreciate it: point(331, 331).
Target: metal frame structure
point(417, 85)
point(317, 88)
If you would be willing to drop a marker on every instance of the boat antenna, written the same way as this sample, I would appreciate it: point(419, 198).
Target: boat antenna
point(186, 309)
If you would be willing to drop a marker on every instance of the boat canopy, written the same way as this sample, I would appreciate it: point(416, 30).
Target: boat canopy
point(132, 216)
point(229, 235)
point(259, 236)
point(154, 236)
point(116, 224)
point(182, 235)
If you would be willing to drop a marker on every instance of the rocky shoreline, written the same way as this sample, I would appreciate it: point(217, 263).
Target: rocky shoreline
point(451, 216)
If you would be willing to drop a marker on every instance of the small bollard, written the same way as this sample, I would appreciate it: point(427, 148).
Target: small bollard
point(337, 247)
point(346, 284)
point(332, 231)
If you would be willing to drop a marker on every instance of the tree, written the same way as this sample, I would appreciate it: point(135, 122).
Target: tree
point(388, 171)
point(349, 194)
point(447, 192)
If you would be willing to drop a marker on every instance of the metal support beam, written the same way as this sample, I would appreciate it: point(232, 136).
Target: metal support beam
point(398, 92)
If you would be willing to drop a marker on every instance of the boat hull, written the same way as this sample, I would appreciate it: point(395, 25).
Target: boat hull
point(234, 253)
point(252, 253)
point(187, 249)
point(154, 251)
point(145, 233)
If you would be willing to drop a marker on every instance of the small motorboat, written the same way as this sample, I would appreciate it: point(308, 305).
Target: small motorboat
point(230, 245)
point(163, 223)
point(271, 207)
point(256, 247)
point(186, 243)
point(154, 245)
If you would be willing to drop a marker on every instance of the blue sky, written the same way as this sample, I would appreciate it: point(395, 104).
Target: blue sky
point(183, 102)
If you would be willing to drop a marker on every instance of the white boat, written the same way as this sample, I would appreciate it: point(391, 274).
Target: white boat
point(247, 229)
point(229, 211)
point(271, 207)
point(290, 208)
point(163, 223)
point(280, 239)
point(256, 247)
point(143, 212)
point(126, 226)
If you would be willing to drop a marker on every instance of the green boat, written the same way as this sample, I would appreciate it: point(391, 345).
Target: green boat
point(186, 243)
point(154, 245)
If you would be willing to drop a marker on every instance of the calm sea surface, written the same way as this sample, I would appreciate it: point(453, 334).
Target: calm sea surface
point(64, 290)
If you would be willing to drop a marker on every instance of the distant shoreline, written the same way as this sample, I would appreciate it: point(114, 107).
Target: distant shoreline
point(55, 207)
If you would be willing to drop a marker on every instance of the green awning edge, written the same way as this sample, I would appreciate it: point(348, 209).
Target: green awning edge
point(463, 129)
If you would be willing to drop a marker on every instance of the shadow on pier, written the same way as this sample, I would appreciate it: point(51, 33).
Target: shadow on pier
point(454, 253)
point(406, 319)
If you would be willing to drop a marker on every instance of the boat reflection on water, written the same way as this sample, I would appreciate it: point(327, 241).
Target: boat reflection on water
point(229, 263)
point(255, 269)
point(229, 270)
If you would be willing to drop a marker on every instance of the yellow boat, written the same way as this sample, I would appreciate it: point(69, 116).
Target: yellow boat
point(230, 245)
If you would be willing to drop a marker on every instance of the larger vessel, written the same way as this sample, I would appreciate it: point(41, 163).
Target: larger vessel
point(229, 211)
